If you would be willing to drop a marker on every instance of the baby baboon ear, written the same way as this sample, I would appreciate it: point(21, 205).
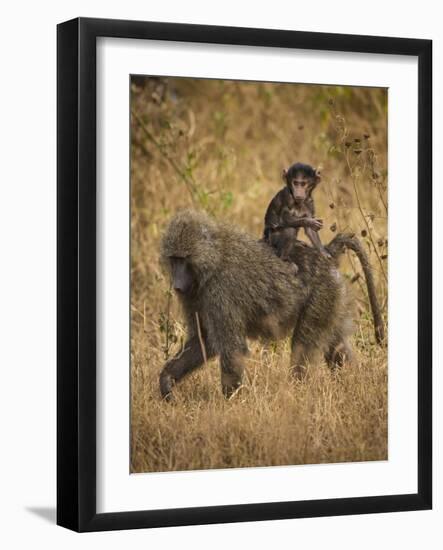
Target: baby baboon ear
point(284, 175)
point(317, 176)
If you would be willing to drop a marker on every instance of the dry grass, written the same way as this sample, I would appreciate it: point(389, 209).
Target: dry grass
point(221, 146)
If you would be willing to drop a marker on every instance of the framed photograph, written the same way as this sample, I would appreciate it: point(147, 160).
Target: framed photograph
point(244, 274)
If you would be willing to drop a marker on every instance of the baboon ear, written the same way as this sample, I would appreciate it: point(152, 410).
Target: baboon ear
point(317, 176)
point(284, 175)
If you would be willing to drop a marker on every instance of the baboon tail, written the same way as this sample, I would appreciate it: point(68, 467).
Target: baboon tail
point(349, 241)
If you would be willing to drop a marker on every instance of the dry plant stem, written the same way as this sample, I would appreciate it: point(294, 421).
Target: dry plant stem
point(168, 310)
point(189, 184)
point(354, 183)
point(200, 338)
point(133, 308)
point(382, 200)
point(380, 194)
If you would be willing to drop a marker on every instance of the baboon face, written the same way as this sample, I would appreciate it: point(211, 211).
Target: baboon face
point(301, 180)
point(182, 275)
point(189, 251)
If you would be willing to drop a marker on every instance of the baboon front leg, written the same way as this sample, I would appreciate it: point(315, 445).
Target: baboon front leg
point(189, 359)
point(232, 368)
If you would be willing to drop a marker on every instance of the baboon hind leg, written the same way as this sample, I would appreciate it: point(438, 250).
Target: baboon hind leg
point(189, 359)
point(302, 356)
point(339, 354)
point(232, 367)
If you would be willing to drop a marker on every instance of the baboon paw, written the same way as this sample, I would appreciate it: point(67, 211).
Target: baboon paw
point(168, 397)
point(299, 373)
point(166, 384)
point(231, 391)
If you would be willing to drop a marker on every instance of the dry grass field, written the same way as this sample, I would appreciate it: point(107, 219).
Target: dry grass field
point(221, 146)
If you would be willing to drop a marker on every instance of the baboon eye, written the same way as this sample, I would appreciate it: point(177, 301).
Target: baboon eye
point(179, 259)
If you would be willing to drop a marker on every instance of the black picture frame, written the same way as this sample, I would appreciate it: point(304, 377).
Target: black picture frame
point(76, 279)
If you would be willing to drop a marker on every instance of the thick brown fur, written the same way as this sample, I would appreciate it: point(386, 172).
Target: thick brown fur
point(243, 290)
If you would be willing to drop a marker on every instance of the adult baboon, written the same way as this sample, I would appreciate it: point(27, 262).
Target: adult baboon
point(233, 287)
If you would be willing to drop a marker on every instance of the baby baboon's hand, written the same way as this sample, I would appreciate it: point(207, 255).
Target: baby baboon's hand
point(315, 223)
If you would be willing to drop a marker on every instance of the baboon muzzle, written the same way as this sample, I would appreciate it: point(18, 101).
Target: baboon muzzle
point(182, 277)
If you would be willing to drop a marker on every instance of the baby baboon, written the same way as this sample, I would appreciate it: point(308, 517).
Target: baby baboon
point(293, 208)
point(233, 287)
